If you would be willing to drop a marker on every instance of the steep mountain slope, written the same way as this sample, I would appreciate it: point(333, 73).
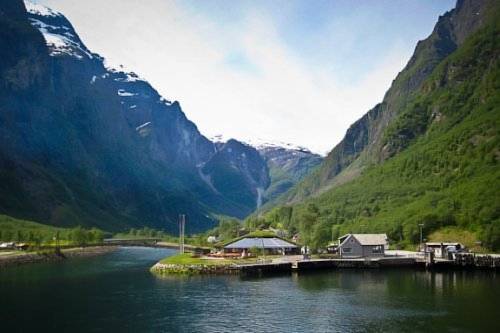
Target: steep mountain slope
point(84, 144)
point(363, 143)
point(238, 171)
point(428, 155)
point(287, 166)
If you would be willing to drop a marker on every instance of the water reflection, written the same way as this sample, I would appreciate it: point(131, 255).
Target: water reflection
point(117, 292)
point(444, 299)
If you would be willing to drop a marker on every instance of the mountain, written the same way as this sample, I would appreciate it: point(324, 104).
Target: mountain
point(287, 166)
point(363, 144)
point(427, 154)
point(237, 171)
point(84, 144)
point(271, 172)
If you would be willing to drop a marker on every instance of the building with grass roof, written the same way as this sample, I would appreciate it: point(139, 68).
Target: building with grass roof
point(260, 242)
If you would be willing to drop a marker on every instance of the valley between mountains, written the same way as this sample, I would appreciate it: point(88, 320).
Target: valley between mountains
point(83, 144)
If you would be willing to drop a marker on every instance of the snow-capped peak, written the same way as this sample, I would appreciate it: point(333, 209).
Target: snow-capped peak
point(38, 9)
point(57, 31)
point(259, 143)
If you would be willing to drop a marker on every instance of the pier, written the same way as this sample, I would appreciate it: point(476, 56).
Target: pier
point(461, 261)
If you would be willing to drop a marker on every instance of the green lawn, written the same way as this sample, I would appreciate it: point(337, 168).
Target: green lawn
point(188, 259)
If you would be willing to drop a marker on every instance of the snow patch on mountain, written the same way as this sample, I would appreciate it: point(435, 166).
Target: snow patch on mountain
point(142, 126)
point(41, 10)
point(260, 144)
point(59, 39)
point(124, 93)
point(122, 73)
point(129, 77)
point(59, 43)
point(165, 101)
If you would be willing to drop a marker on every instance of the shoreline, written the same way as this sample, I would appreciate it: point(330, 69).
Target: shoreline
point(22, 258)
point(193, 269)
point(464, 262)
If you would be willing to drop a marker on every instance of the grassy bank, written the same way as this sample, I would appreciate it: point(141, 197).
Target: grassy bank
point(188, 264)
point(455, 234)
point(41, 235)
point(14, 258)
point(188, 259)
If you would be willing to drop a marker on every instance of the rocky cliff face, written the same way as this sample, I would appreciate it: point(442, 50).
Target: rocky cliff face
point(364, 143)
point(287, 166)
point(238, 171)
point(90, 145)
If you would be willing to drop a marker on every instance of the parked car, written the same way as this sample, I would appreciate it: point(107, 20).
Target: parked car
point(7, 245)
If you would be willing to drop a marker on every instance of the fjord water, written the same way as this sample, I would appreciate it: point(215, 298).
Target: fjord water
point(116, 292)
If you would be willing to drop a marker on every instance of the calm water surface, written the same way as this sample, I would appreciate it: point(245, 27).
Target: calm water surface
point(116, 292)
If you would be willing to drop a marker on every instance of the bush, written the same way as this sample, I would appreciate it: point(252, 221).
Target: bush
point(490, 236)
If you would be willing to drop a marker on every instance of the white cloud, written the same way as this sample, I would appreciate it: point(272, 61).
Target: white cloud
point(183, 55)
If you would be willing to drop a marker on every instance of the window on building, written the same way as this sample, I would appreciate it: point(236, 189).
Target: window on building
point(377, 249)
point(346, 250)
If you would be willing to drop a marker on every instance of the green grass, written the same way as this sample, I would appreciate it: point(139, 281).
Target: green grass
point(188, 259)
point(33, 233)
point(11, 229)
point(455, 234)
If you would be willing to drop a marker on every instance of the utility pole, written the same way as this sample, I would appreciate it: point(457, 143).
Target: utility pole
point(182, 225)
point(263, 249)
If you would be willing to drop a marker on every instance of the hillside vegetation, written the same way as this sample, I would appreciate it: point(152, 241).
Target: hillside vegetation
point(442, 161)
point(36, 234)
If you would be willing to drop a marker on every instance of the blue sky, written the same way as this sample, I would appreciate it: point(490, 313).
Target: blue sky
point(292, 71)
point(342, 36)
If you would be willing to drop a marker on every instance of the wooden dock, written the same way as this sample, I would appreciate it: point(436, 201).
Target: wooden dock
point(319, 264)
point(463, 261)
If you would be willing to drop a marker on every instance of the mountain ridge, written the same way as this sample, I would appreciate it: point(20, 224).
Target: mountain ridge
point(362, 144)
point(434, 162)
point(85, 144)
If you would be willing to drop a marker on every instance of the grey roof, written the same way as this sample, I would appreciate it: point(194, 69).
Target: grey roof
point(267, 243)
point(368, 239)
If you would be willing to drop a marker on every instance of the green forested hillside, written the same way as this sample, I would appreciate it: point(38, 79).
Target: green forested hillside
point(442, 168)
point(363, 143)
point(35, 234)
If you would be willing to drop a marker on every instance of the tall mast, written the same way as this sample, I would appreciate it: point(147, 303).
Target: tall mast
point(182, 226)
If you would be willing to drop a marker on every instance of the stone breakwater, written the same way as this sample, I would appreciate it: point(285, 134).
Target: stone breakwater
point(232, 269)
point(194, 269)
